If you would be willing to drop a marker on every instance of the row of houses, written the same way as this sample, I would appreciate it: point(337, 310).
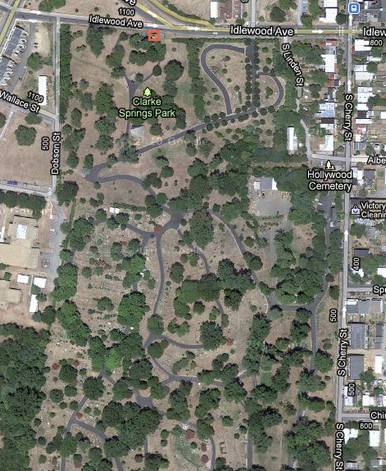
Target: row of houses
point(367, 87)
point(14, 47)
point(327, 108)
point(366, 333)
point(371, 11)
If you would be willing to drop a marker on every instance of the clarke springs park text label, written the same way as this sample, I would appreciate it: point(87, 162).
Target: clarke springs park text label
point(153, 109)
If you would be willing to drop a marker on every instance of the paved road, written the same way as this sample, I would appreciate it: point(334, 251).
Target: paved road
point(220, 31)
point(346, 225)
point(213, 76)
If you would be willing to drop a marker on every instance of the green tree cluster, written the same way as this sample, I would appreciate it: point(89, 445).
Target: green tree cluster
point(201, 229)
point(80, 234)
point(133, 426)
point(144, 51)
point(178, 401)
point(35, 61)
point(70, 319)
point(114, 61)
point(258, 332)
point(49, 5)
point(66, 192)
point(22, 369)
point(12, 199)
point(94, 39)
point(66, 282)
point(25, 136)
point(132, 308)
point(66, 88)
point(211, 335)
point(304, 443)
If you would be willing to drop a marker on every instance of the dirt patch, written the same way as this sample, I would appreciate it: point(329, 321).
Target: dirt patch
point(303, 235)
point(229, 67)
point(82, 8)
point(28, 163)
point(201, 9)
point(43, 39)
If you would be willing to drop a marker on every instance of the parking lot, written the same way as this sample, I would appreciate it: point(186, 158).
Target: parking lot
point(13, 51)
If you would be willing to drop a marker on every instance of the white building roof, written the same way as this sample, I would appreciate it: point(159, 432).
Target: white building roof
point(352, 301)
point(330, 15)
point(358, 174)
point(330, 3)
point(350, 433)
point(374, 438)
point(21, 231)
point(378, 364)
point(265, 184)
point(368, 400)
point(328, 145)
point(362, 45)
point(364, 76)
point(360, 272)
point(290, 139)
point(328, 127)
point(214, 9)
point(383, 114)
point(113, 210)
point(365, 89)
point(42, 88)
point(363, 96)
point(327, 105)
point(33, 305)
point(329, 62)
point(348, 400)
point(40, 282)
point(24, 279)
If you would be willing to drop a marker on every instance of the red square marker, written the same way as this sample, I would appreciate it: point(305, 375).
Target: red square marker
point(154, 35)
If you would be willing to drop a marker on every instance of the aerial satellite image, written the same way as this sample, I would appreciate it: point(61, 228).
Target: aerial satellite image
point(192, 235)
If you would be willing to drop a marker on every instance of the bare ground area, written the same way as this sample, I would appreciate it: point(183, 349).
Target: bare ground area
point(86, 66)
point(201, 9)
point(178, 448)
point(25, 163)
point(229, 67)
point(83, 8)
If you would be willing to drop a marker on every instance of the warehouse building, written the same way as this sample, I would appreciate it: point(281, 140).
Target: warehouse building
point(19, 246)
point(358, 335)
point(356, 366)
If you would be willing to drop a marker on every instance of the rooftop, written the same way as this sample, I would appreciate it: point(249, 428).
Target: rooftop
point(358, 335)
point(356, 366)
point(18, 250)
point(265, 184)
